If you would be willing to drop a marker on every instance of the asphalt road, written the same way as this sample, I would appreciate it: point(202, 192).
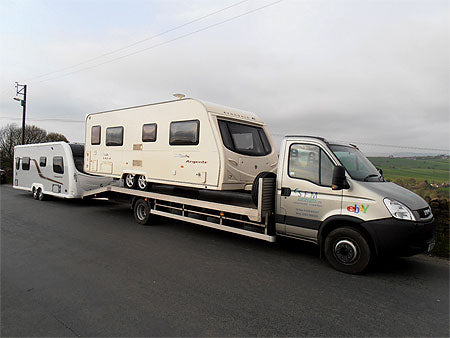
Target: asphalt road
point(72, 268)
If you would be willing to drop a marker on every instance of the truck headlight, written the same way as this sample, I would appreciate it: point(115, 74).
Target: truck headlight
point(399, 210)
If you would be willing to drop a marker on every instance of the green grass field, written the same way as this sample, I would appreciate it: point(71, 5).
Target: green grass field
point(432, 169)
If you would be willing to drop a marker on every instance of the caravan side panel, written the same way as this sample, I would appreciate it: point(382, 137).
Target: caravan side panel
point(116, 145)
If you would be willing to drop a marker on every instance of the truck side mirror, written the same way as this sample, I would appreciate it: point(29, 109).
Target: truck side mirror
point(380, 171)
point(339, 182)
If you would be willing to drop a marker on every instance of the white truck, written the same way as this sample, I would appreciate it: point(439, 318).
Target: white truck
point(55, 169)
point(185, 142)
point(324, 192)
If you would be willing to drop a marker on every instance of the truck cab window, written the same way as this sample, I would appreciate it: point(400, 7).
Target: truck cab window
point(326, 169)
point(96, 135)
point(58, 165)
point(42, 161)
point(309, 162)
point(304, 162)
point(26, 163)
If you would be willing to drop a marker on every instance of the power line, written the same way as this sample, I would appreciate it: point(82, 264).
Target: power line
point(45, 119)
point(140, 41)
point(164, 43)
point(381, 145)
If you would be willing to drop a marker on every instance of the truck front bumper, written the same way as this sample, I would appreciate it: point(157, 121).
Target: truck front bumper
point(401, 238)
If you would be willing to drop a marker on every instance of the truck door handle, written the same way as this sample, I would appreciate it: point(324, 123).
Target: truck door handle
point(285, 191)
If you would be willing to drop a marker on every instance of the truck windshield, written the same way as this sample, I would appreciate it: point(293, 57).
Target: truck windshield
point(244, 139)
point(356, 164)
point(78, 155)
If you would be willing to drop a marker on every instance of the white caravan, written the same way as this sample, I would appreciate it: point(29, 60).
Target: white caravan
point(184, 142)
point(54, 168)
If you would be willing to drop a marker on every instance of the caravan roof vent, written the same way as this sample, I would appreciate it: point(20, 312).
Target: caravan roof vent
point(179, 96)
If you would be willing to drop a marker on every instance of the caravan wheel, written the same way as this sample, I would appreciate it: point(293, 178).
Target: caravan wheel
point(130, 181)
point(40, 194)
point(35, 194)
point(142, 183)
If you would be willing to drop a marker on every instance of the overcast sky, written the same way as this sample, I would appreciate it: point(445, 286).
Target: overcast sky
point(366, 72)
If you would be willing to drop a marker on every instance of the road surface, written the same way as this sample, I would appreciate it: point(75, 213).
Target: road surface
point(74, 268)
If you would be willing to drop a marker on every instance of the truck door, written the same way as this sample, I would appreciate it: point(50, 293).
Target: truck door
point(307, 198)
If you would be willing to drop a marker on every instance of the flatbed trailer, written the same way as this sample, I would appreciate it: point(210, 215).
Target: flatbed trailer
point(243, 220)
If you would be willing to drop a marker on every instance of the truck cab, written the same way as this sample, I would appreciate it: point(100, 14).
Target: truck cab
point(330, 194)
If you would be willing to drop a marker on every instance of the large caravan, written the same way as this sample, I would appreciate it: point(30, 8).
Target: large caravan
point(54, 168)
point(184, 142)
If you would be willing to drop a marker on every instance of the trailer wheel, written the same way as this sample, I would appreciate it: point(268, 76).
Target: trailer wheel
point(142, 183)
point(130, 181)
point(347, 250)
point(40, 194)
point(142, 211)
point(35, 194)
point(255, 186)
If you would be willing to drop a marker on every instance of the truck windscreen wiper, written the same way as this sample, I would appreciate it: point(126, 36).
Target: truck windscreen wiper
point(369, 176)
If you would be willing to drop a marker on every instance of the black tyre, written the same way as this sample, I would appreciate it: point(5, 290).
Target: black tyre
point(40, 194)
point(142, 183)
point(142, 212)
point(35, 194)
point(130, 181)
point(255, 187)
point(347, 250)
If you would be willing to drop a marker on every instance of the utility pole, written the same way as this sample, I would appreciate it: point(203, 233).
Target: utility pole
point(22, 90)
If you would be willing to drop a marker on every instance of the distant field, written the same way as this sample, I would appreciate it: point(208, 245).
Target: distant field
point(432, 169)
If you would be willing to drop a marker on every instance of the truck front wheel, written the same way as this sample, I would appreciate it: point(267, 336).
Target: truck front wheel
point(142, 211)
point(347, 250)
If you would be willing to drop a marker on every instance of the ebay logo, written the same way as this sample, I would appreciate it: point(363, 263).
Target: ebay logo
point(358, 208)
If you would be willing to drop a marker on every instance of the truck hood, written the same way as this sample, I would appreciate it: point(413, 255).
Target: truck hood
point(398, 193)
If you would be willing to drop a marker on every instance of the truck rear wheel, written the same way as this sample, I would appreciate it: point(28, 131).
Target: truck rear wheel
point(130, 181)
point(347, 250)
point(255, 186)
point(142, 211)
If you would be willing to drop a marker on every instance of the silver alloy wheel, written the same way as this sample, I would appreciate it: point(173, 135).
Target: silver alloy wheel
point(142, 183)
point(141, 212)
point(35, 195)
point(129, 180)
point(345, 251)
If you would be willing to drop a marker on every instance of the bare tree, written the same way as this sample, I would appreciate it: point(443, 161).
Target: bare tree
point(11, 135)
point(56, 137)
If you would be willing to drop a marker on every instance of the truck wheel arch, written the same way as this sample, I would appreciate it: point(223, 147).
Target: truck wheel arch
point(335, 222)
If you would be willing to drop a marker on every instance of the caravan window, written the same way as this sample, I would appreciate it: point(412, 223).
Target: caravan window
point(149, 132)
point(42, 161)
point(26, 163)
point(78, 155)
point(183, 133)
point(96, 135)
point(17, 163)
point(114, 136)
point(244, 139)
point(58, 165)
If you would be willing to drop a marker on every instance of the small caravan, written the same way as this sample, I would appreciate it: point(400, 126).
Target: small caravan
point(185, 142)
point(54, 168)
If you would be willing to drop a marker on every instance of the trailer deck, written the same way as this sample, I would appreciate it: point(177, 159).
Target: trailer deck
point(228, 215)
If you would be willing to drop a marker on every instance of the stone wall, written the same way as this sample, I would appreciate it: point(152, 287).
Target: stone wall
point(441, 213)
